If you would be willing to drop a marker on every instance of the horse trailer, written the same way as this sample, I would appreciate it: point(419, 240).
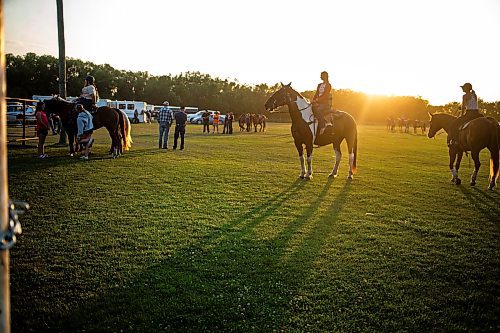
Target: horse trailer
point(129, 107)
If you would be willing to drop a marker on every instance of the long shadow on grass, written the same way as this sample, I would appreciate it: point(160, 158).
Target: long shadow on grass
point(484, 201)
point(229, 280)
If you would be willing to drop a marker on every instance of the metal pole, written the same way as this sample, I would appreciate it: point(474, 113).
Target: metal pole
point(4, 194)
point(24, 124)
point(62, 60)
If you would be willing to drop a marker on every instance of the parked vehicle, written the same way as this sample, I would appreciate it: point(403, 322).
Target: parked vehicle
point(15, 114)
point(197, 118)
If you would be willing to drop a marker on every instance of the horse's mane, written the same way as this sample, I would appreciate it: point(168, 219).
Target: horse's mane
point(59, 98)
point(299, 94)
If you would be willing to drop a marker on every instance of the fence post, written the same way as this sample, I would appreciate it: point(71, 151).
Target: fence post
point(4, 195)
point(62, 60)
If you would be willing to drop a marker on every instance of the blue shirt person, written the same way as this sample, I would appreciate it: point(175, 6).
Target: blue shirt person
point(85, 129)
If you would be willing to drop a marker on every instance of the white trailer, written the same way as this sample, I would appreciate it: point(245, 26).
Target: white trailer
point(129, 107)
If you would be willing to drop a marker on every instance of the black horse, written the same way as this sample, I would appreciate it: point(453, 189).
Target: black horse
point(114, 120)
point(304, 130)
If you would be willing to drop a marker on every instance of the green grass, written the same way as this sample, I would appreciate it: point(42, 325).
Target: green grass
point(224, 237)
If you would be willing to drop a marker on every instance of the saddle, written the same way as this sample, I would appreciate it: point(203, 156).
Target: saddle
point(92, 109)
point(332, 115)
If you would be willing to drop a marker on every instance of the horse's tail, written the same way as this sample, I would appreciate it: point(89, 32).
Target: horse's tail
point(494, 160)
point(355, 151)
point(125, 130)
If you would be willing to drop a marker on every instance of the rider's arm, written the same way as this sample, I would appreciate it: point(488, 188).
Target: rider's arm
point(464, 103)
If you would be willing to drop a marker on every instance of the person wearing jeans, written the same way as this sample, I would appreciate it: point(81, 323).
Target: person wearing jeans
point(180, 127)
point(165, 118)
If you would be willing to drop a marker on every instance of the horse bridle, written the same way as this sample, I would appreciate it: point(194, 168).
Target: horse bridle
point(288, 100)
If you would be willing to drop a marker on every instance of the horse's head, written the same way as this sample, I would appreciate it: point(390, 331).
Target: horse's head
point(438, 121)
point(281, 97)
point(59, 106)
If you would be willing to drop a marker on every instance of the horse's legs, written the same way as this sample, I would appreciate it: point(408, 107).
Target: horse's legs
point(338, 157)
point(494, 167)
point(71, 140)
point(477, 163)
point(454, 173)
point(114, 134)
point(309, 150)
point(300, 150)
point(350, 149)
point(351, 164)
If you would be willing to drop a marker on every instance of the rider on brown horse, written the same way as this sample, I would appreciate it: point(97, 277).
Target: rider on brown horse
point(470, 107)
point(89, 95)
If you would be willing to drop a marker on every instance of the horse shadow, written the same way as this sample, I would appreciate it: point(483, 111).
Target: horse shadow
point(183, 291)
point(486, 202)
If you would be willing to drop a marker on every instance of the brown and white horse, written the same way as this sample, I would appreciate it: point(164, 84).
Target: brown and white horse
point(305, 127)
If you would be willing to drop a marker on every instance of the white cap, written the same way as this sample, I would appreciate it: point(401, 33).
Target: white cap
point(165, 103)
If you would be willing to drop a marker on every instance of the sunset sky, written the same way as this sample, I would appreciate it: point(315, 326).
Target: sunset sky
point(422, 48)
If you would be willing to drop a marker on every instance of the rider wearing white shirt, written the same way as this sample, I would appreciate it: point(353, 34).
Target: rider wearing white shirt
point(470, 111)
point(89, 95)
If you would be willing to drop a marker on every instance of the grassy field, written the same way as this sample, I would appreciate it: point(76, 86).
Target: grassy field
point(225, 237)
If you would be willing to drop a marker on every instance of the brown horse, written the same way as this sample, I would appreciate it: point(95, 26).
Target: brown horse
point(480, 133)
point(304, 130)
point(419, 124)
point(258, 120)
point(241, 122)
point(114, 120)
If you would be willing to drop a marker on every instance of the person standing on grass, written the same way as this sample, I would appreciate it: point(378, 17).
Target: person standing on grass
point(206, 121)
point(216, 121)
point(180, 127)
point(42, 128)
point(165, 118)
point(226, 127)
point(229, 121)
point(85, 130)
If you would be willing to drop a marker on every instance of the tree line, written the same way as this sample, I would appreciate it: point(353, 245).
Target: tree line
point(31, 74)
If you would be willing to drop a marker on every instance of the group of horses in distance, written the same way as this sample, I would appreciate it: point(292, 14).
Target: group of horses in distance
point(248, 120)
point(404, 125)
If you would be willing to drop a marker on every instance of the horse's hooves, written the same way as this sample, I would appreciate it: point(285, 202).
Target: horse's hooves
point(349, 177)
point(332, 175)
point(458, 181)
point(301, 176)
point(472, 183)
point(308, 177)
